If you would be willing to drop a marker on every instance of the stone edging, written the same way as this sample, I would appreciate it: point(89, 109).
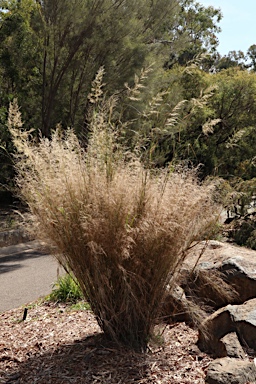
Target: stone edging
point(13, 237)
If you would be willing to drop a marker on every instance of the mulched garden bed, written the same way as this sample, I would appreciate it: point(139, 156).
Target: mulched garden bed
point(57, 344)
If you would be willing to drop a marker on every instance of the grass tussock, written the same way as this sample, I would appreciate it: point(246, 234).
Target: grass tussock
point(121, 229)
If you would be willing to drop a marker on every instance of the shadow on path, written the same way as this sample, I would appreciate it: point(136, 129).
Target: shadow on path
point(9, 268)
point(11, 259)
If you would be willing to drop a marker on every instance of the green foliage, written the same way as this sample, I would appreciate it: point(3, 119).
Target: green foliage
point(161, 119)
point(251, 240)
point(243, 232)
point(66, 289)
point(80, 306)
point(219, 130)
point(19, 58)
point(51, 50)
point(251, 53)
point(6, 149)
point(243, 196)
point(234, 59)
point(233, 137)
point(238, 197)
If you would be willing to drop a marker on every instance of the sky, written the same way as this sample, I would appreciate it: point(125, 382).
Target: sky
point(238, 24)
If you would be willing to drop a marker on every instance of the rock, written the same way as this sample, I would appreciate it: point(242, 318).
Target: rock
point(231, 371)
point(241, 274)
point(175, 305)
point(231, 267)
point(232, 346)
point(213, 329)
point(232, 318)
point(226, 274)
point(207, 286)
point(244, 318)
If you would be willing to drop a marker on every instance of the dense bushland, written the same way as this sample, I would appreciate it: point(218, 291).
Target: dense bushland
point(122, 229)
point(50, 52)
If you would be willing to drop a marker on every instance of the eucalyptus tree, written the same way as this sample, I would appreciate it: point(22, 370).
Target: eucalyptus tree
point(251, 54)
point(79, 36)
point(194, 33)
point(51, 50)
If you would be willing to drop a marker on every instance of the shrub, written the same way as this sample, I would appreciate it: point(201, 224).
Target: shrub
point(251, 241)
point(122, 230)
point(243, 231)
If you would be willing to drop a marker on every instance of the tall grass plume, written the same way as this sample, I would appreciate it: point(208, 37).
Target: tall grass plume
point(121, 229)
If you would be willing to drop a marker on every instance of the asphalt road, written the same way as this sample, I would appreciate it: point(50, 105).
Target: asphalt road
point(26, 273)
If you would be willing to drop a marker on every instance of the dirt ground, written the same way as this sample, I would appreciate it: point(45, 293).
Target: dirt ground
point(59, 345)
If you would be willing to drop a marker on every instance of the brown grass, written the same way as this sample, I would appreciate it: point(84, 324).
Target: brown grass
point(121, 229)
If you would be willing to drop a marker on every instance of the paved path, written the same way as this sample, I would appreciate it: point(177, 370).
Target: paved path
point(26, 273)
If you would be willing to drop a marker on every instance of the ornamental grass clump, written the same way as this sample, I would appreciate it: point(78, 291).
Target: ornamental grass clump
point(121, 229)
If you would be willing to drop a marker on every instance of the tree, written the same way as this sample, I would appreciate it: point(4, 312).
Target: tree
point(196, 27)
point(78, 37)
point(50, 51)
point(19, 74)
point(6, 148)
point(232, 59)
point(63, 44)
point(19, 57)
point(251, 53)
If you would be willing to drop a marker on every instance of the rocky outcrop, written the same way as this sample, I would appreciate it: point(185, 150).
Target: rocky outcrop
point(224, 275)
point(240, 319)
point(241, 274)
point(231, 371)
point(224, 283)
point(231, 267)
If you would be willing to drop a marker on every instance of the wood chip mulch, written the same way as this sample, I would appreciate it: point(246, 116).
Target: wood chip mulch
point(58, 345)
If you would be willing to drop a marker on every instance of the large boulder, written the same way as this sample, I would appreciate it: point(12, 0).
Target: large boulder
point(231, 371)
point(224, 274)
point(214, 275)
point(240, 319)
